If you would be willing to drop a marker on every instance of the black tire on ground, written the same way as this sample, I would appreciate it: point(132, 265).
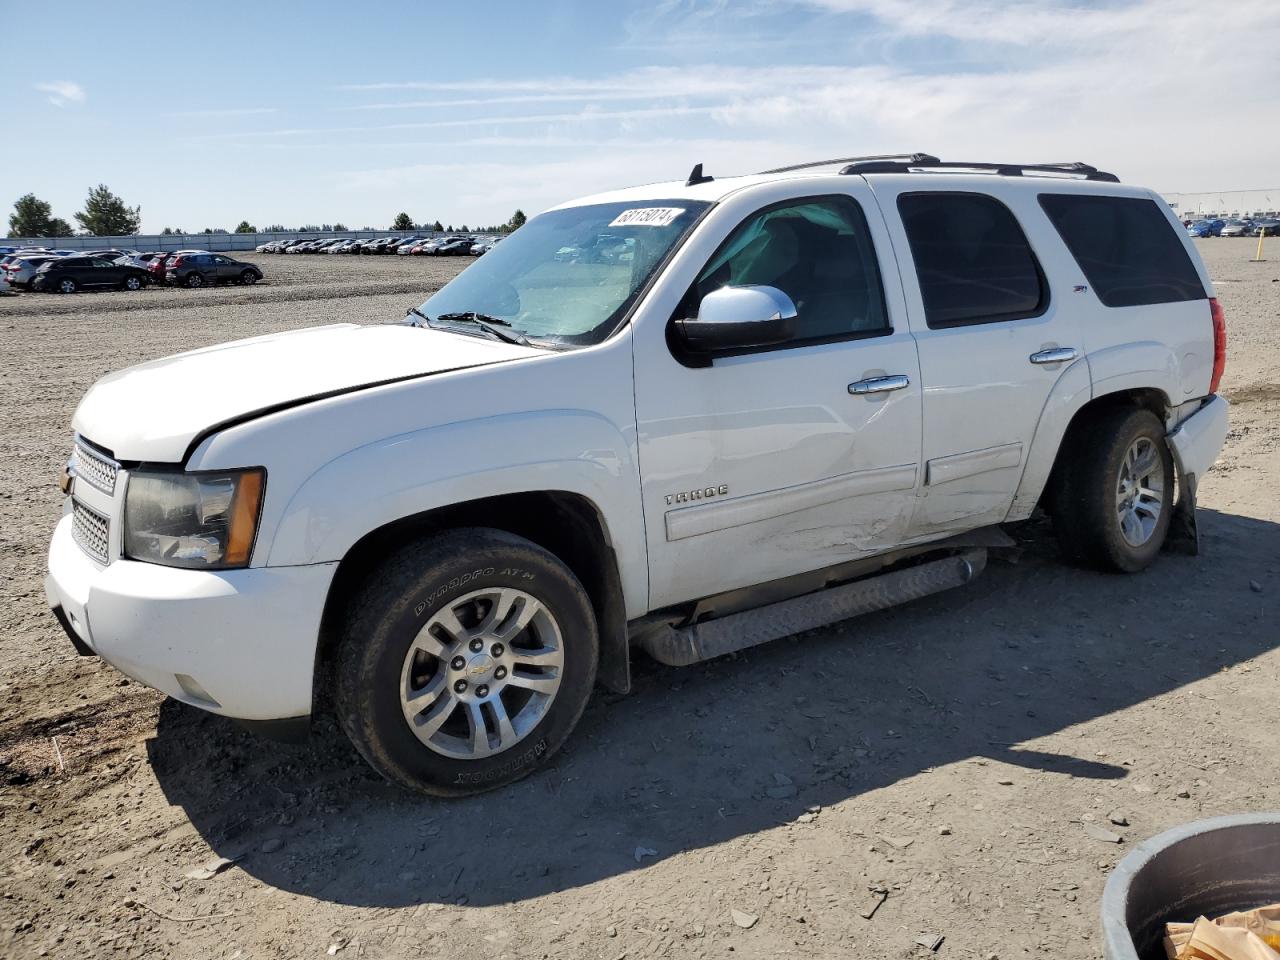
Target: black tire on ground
point(248, 278)
point(399, 599)
point(1087, 494)
point(67, 285)
point(132, 282)
point(195, 279)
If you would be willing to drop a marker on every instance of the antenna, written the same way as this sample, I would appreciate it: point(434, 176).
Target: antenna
point(696, 176)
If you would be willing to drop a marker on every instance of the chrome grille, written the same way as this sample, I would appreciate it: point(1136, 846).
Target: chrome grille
point(91, 530)
point(97, 468)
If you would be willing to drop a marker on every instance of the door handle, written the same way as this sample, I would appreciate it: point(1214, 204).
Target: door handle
point(1054, 355)
point(887, 384)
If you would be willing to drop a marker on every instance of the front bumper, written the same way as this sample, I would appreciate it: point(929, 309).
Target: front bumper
point(240, 643)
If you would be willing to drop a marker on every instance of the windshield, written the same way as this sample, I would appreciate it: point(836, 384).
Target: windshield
point(570, 275)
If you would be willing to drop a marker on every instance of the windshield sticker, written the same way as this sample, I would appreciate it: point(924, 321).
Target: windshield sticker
point(647, 217)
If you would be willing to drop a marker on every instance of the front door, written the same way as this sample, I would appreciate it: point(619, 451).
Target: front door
point(225, 270)
point(794, 457)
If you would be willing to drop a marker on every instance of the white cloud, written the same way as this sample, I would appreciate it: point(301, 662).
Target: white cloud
point(581, 116)
point(1128, 85)
point(62, 92)
point(230, 112)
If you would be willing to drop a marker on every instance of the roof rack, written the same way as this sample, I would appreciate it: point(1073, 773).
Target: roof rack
point(924, 162)
point(913, 158)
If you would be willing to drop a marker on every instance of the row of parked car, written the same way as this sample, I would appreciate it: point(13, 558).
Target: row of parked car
point(67, 271)
point(452, 246)
point(1233, 227)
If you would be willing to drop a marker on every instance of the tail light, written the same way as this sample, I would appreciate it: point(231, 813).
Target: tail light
point(1219, 343)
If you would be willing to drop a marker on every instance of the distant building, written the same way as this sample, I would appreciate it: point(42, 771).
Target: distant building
point(1226, 203)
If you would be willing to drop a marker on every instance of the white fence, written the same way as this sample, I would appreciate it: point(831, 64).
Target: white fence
point(196, 241)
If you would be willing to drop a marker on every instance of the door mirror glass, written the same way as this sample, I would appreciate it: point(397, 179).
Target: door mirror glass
point(733, 318)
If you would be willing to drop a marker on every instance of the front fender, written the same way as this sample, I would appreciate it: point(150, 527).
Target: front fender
point(562, 450)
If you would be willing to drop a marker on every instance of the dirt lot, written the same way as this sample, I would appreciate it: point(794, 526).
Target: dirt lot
point(948, 753)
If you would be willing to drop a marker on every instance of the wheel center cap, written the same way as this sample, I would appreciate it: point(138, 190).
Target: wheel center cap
point(480, 667)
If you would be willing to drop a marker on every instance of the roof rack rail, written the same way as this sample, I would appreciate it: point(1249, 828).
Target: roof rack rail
point(894, 165)
point(915, 158)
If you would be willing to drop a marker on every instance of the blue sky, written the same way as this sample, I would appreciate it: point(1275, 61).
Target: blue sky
point(324, 112)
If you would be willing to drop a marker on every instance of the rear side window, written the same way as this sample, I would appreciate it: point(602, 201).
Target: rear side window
point(972, 259)
point(1126, 248)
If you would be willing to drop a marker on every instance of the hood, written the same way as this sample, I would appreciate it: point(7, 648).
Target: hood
point(155, 410)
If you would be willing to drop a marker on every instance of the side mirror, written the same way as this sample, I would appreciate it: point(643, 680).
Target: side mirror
point(732, 318)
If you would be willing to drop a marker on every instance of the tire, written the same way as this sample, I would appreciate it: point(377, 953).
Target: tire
point(67, 285)
point(194, 279)
point(132, 283)
point(394, 644)
point(248, 278)
point(1102, 518)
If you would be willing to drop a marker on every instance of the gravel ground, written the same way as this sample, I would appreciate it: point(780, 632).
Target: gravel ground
point(943, 757)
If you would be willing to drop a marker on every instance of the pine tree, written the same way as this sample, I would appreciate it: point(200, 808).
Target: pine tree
point(246, 227)
point(105, 214)
point(402, 222)
point(30, 218)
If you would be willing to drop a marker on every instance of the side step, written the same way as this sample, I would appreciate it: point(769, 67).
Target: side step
point(681, 646)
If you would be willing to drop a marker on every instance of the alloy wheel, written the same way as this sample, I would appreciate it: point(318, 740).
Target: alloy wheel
point(482, 673)
point(1140, 491)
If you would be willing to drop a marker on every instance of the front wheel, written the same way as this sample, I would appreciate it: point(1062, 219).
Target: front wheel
point(1115, 500)
point(466, 661)
point(248, 278)
point(133, 282)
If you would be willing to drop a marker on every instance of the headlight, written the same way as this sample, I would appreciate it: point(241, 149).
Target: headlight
point(206, 521)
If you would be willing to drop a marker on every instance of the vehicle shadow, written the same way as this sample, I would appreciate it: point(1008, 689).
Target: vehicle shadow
point(698, 756)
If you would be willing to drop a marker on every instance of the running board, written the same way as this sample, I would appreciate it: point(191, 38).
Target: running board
point(681, 646)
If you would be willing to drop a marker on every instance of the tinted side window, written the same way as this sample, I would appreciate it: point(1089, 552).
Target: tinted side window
point(972, 259)
point(1126, 248)
point(817, 251)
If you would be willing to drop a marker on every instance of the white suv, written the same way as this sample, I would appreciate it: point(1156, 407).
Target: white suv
point(686, 417)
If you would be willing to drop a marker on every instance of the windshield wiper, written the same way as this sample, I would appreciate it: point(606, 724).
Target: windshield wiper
point(492, 325)
point(417, 313)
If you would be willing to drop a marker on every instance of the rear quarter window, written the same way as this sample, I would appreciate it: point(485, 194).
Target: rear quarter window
point(1126, 247)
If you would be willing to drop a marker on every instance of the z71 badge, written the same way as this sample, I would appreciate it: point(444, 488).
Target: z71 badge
point(705, 493)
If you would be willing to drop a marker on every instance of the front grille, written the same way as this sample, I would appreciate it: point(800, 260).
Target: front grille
point(96, 467)
point(91, 530)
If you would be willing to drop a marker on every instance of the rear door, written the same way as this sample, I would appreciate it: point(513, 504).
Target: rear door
point(106, 272)
point(208, 269)
point(994, 337)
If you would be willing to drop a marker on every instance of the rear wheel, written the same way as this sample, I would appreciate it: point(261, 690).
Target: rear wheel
point(466, 661)
point(66, 285)
point(195, 279)
point(1115, 494)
